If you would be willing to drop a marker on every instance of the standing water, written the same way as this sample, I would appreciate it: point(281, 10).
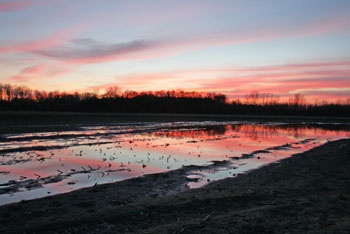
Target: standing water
point(41, 164)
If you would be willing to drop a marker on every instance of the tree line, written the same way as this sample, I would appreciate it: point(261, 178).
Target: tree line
point(172, 101)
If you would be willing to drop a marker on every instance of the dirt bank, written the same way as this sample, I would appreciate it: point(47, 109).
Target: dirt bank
point(307, 193)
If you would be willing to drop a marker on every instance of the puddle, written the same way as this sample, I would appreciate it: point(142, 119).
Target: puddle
point(41, 164)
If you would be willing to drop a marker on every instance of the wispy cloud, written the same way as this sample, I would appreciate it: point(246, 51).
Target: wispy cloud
point(53, 40)
point(90, 51)
point(321, 26)
point(37, 72)
point(332, 89)
point(330, 78)
point(297, 66)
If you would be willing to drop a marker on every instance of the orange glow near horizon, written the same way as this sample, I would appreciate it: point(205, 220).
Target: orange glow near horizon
point(167, 46)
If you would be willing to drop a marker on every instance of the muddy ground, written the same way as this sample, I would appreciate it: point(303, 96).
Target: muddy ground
point(307, 193)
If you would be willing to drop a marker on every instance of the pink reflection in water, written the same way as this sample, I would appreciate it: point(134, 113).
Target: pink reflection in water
point(91, 160)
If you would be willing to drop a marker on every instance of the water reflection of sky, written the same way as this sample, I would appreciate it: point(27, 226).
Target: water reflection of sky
point(105, 154)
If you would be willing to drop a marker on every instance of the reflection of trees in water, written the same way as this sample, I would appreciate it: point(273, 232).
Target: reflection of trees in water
point(298, 130)
point(205, 132)
point(256, 132)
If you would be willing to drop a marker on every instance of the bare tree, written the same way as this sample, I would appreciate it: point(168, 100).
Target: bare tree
point(220, 98)
point(253, 98)
point(1, 92)
point(8, 90)
point(112, 92)
point(297, 100)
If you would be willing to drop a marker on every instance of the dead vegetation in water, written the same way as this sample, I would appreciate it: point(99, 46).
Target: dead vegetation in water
point(14, 186)
point(305, 193)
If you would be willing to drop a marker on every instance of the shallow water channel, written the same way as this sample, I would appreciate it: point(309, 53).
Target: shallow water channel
point(40, 164)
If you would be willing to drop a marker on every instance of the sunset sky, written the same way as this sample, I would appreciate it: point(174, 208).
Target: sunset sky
point(231, 47)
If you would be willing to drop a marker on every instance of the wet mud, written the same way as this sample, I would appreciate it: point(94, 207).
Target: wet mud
point(305, 193)
point(40, 164)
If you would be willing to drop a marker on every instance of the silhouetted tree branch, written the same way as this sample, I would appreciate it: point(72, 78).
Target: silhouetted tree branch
point(170, 101)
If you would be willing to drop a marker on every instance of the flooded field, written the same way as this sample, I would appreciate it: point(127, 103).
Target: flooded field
point(40, 164)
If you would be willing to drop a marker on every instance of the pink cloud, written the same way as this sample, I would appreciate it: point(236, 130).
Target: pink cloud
point(11, 6)
point(141, 82)
point(228, 79)
point(281, 80)
point(338, 23)
point(293, 67)
point(282, 88)
point(146, 49)
point(42, 71)
point(56, 39)
point(329, 93)
point(251, 35)
point(34, 69)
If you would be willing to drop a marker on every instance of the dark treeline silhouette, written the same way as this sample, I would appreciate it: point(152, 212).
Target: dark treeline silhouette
point(114, 100)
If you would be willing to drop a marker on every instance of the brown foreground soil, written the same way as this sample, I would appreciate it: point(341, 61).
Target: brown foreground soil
point(307, 193)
